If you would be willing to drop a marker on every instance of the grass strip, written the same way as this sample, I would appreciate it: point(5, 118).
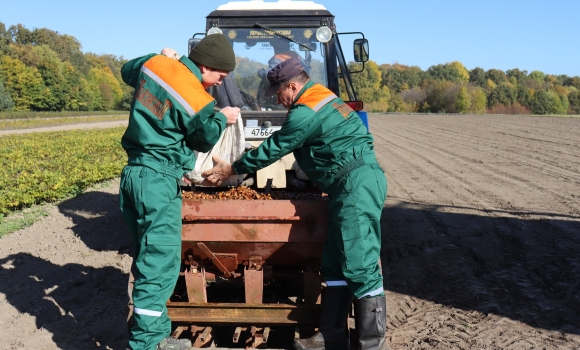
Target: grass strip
point(21, 219)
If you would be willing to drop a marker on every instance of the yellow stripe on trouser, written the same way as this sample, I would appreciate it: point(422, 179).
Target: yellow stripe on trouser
point(351, 252)
point(151, 205)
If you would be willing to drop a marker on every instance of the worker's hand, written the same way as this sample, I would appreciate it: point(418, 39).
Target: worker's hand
point(231, 113)
point(171, 53)
point(219, 172)
point(207, 183)
point(188, 182)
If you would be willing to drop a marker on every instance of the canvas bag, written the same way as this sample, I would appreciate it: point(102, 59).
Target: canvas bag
point(230, 147)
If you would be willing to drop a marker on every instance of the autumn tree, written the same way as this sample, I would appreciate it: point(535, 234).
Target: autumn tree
point(24, 83)
point(477, 77)
point(20, 34)
point(454, 72)
point(496, 75)
point(478, 100)
point(107, 88)
point(551, 80)
point(462, 101)
point(563, 95)
point(524, 97)
point(489, 85)
point(541, 103)
point(574, 100)
point(25, 53)
point(414, 99)
point(50, 68)
point(538, 76)
point(460, 71)
point(549, 102)
point(441, 96)
point(504, 93)
point(399, 78)
point(573, 81)
point(67, 47)
point(67, 81)
point(518, 75)
point(5, 40)
point(6, 102)
point(368, 84)
point(114, 64)
point(80, 95)
point(394, 80)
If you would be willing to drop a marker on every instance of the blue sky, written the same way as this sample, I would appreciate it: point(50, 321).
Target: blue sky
point(529, 35)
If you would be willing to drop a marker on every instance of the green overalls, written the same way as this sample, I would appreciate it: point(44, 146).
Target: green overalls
point(332, 146)
point(171, 115)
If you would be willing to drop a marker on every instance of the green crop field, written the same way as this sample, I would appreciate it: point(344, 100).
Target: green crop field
point(46, 167)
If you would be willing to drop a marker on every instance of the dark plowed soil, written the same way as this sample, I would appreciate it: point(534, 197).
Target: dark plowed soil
point(481, 245)
point(481, 232)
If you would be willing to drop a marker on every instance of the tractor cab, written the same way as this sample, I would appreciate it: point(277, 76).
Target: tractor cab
point(264, 34)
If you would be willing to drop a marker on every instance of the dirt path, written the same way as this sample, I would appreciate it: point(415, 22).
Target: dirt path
point(67, 127)
point(64, 279)
point(481, 244)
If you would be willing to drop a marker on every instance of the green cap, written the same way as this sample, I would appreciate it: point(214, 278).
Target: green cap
point(214, 51)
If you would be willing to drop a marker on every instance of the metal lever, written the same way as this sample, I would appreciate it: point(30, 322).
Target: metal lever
point(214, 260)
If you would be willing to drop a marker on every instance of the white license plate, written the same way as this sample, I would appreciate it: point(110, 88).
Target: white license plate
point(260, 132)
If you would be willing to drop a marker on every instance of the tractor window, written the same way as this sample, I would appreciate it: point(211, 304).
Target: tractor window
point(257, 51)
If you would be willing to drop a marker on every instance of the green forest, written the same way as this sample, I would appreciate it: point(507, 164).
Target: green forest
point(451, 88)
point(42, 70)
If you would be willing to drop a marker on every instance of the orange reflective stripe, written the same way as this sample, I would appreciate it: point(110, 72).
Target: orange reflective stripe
point(316, 97)
point(179, 82)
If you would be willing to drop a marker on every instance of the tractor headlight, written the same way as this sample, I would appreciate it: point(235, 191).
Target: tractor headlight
point(323, 34)
point(214, 30)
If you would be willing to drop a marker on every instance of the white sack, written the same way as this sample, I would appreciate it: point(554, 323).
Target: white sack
point(229, 147)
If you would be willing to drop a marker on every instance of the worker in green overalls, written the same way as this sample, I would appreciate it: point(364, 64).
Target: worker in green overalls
point(333, 147)
point(171, 116)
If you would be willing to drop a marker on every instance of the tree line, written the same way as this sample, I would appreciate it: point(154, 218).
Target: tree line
point(42, 70)
point(451, 88)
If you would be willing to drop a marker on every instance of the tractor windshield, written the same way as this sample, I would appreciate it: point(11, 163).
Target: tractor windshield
point(259, 49)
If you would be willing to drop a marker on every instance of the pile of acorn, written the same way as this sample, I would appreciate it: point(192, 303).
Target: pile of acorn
point(243, 192)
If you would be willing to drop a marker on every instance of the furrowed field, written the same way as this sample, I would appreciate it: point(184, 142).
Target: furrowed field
point(480, 249)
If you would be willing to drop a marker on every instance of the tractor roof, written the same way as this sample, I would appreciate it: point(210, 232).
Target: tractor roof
point(277, 5)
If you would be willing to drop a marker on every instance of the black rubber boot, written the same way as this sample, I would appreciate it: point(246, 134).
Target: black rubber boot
point(370, 319)
point(331, 333)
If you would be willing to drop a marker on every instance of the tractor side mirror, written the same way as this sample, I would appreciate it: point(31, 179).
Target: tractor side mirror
point(311, 47)
point(193, 41)
point(361, 50)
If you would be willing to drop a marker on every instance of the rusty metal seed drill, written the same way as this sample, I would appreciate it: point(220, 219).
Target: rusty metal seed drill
point(251, 260)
